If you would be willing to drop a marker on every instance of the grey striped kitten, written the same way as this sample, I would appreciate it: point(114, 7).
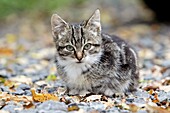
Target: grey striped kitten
point(90, 61)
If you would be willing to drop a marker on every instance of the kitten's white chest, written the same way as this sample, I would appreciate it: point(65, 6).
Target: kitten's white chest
point(73, 72)
point(75, 77)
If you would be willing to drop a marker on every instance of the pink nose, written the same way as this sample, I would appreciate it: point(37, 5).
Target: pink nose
point(79, 56)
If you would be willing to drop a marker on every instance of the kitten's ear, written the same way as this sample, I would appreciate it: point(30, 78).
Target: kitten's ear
point(94, 21)
point(58, 25)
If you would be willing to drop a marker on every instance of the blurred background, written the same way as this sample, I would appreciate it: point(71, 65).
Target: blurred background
point(25, 25)
point(31, 19)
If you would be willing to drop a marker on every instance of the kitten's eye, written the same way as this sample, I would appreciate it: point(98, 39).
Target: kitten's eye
point(87, 46)
point(69, 48)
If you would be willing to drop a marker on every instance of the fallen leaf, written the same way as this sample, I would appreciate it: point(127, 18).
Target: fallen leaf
point(2, 79)
point(51, 77)
point(133, 107)
point(27, 100)
point(166, 82)
point(155, 100)
point(43, 97)
point(73, 107)
point(148, 88)
point(9, 83)
point(6, 51)
point(11, 38)
point(155, 109)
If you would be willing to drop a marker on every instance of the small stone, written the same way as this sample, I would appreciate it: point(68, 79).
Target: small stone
point(18, 92)
point(162, 96)
point(52, 105)
point(113, 110)
point(148, 77)
point(139, 102)
point(97, 105)
point(4, 89)
point(142, 111)
point(24, 87)
point(148, 64)
point(2, 103)
point(28, 111)
point(51, 111)
point(130, 100)
point(141, 94)
point(11, 108)
point(51, 90)
point(28, 92)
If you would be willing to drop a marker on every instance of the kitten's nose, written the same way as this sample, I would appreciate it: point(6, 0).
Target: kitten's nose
point(79, 56)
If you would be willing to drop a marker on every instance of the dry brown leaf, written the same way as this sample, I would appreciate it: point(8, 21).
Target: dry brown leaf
point(66, 101)
point(9, 83)
point(155, 100)
point(154, 109)
point(27, 100)
point(43, 97)
point(133, 107)
point(166, 82)
point(6, 51)
point(148, 88)
point(73, 107)
point(151, 91)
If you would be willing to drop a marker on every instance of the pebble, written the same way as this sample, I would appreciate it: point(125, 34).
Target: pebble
point(162, 96)
point(130, 100)
point(18, 92)
point(148, 77)
point(51, 111)
point(141, 94)
point(113, 110)
point(28, 111)
point(52, 105)
point(97, 105)
point(24, 87)
point(11, 108)
point(28, 92)
point(142, 111)
point(4, 89)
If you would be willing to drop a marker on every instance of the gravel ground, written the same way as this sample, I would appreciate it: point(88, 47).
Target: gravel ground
point(27, 64)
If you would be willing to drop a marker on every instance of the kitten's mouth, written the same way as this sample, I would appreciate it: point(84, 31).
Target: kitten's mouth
point(79, 62)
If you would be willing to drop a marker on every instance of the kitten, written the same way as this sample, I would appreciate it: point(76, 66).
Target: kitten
point(91, 61)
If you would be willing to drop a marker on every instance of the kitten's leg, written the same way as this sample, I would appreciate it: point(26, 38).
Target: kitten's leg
point(109, 92)
point(72, 91)
point(77, 92)
point(83, 92)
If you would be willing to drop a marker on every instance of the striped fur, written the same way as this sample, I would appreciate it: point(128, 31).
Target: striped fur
point(91, 61)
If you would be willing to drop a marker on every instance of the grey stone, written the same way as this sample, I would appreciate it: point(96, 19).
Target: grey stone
point(24, 86)
point(52, 105)
point(18, 92)
point(97, 105)
point(4, 89)
point(130, 100)
point(11, 108)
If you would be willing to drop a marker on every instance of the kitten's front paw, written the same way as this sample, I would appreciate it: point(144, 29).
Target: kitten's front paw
point(73, 92)
point(109, 92)
point(83, 92)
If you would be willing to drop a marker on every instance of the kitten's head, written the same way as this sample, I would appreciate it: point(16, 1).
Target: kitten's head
point(77, 43)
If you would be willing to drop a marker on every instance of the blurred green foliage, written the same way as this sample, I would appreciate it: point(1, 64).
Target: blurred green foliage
point(32, 7)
